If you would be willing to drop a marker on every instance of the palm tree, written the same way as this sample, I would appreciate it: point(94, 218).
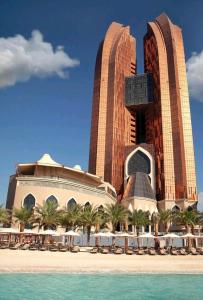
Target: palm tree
point(90, 217)
point(24, 216)
point(165, 218)
point(116, 214)
point(155, 221)
point(187, 218)
point(138, 218)
point(4, 215)
point(71, 218)
point(47, 215)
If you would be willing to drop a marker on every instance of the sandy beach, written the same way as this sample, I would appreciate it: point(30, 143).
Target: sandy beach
point(84, 262)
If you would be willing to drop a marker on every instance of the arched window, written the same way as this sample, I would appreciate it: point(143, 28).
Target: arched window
point(87, 204)
point(52, 199)
point(175, 209)
point(139, 162)
point(71, 203)
point(101, 208)
point(29, 202)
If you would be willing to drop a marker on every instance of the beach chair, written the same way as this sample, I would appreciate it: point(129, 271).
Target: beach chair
point(94, 250)
point(75, 249)
point(43, 247)
point(200, 251)
point(140, 252)
point(25, 247)
point(183, 251)
point(33, 247)
point(174, 251)
point(163, 251)
point(15, 247)
point(193, 251)
point(151, 252)
point(118, 251)
point(63, 248)
point(104, 250)
point(4, 246)
point(129, 252)
point(53, 248)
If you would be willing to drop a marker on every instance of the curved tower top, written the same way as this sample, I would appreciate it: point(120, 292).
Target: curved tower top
point(165, 59)
point(110, 129)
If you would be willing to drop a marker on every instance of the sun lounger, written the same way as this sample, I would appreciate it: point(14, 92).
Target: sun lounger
point(53, 248)
point(163, 251)
point(94, 250)
point(129, 252)
point(4, 246)
point(193, 251)
point(183, 251)
point(104, 251)
point(151, 252)
point(118, 251)
point(140, 252)
point(63, 248)
point(33, 247)
point(75, 249)
point(200, 251)
point(15, 247)
point(43, 248)
point(25, 247)
point(174, 252)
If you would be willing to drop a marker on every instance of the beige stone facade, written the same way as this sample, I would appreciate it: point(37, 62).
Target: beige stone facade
point(46, 178)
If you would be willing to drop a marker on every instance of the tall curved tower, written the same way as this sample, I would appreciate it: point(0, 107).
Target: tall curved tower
point(141, 134)
point(170, 125)
point(111, 126)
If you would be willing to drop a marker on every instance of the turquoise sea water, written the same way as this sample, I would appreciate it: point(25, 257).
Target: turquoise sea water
point(100, 287)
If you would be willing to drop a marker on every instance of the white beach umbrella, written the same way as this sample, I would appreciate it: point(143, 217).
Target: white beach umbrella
point(70, 233)
point(122, 234)
point(103, 234)
point(48, 232)
point(9, 230)
point(146, 235)
point(29, 231)
point(170, 235)
point(188, 235)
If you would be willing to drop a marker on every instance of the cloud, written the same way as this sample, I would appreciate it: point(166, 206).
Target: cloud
point(22, 58)
point(195, 75)
point(200, 202)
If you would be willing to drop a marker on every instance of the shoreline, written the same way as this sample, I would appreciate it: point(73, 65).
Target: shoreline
point(19, 261)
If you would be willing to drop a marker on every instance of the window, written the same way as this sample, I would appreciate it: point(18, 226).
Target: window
point(71, 203)
point(87, 204)
point(139, 162)
point(52, 199)
point(175, 208)
point(29, 202)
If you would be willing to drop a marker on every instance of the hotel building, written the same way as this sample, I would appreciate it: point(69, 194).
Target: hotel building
point(141, 135)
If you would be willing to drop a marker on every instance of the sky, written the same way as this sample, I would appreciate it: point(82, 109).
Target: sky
point(47, 57)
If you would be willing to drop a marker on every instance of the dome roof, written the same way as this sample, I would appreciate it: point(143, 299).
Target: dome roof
point(46, 160)
point(77, 167)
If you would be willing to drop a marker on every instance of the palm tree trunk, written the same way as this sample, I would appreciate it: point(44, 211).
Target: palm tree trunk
point(88, 234)
point(138, 241)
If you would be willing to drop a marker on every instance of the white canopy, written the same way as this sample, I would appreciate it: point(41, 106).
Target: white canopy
point(29, 231)
point(189, 235)
point(9, 230)
point(71, 233)
point(123, 234)
point(146, 235)
point(170, 235)
point(103, 234)
point(48, 232)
